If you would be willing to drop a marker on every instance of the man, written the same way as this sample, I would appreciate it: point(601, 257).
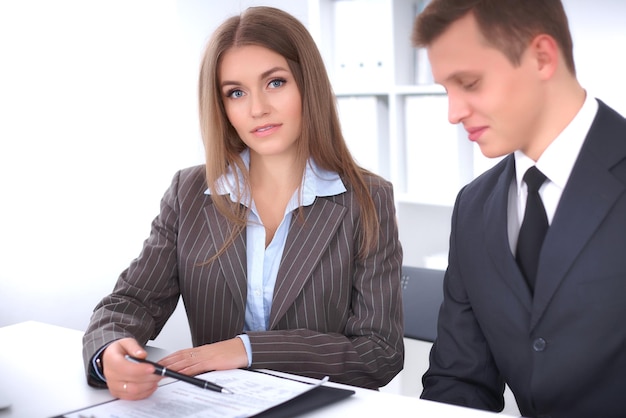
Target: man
point(551, 328)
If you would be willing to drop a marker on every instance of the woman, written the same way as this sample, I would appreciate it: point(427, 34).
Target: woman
point(289, 259)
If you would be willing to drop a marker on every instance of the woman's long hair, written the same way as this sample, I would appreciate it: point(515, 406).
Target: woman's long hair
point(321, 136)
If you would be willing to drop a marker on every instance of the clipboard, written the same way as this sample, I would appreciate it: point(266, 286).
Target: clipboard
point(261, 393)
point(308, 401)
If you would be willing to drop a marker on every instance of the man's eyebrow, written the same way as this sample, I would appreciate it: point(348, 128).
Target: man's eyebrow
point(459, 75)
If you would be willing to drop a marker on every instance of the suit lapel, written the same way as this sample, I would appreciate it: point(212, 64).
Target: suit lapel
point(590, 193)
point(496, 231)
point(233, 261)
point(306, 242)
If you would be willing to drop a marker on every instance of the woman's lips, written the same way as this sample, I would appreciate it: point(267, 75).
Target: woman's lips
point(265, 130)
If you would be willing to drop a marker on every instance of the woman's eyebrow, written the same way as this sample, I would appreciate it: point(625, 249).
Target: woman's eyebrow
point(263, 75)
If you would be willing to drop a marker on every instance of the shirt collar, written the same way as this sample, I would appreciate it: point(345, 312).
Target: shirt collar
point(230, 182)
point(558, 160)
point(316, 182)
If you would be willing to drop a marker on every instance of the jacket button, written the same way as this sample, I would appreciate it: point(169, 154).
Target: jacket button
point(539, 344)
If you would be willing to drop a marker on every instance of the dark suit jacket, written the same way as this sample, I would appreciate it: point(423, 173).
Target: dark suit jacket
point(332, 313)
point(563, 351)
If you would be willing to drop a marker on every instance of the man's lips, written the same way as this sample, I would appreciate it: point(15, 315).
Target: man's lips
point(475, 133)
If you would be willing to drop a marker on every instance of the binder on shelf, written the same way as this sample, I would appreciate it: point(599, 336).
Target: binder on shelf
point(433, 171)
point(362, 54)
point(423, 72)
point(362, 129)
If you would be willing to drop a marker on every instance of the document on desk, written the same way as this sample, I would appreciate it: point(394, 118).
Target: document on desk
point(253, 393)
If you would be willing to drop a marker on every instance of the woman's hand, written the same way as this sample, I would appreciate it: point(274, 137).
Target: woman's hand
point(127, 380)
point(223, 355)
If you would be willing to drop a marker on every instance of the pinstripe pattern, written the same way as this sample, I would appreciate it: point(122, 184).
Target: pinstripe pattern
point(332, 314)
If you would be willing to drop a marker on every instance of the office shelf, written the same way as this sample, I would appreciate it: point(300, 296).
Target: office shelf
point(393, 116)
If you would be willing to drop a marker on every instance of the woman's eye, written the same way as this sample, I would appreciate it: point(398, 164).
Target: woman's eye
point(277, 82)
point(234, 94)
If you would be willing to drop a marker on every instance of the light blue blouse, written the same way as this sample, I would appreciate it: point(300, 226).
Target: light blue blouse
point(262, 262)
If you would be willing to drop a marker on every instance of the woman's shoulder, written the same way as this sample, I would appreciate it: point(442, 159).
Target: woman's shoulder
point(191, 178)
point(375, 182)
point(375, 185)
point(193, 171)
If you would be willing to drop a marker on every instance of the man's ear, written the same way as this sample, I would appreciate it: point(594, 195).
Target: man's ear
point(545, 51)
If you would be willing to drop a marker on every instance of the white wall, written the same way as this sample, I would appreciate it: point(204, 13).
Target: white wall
point(97, 112)
point(599, 38)
point(94, 122)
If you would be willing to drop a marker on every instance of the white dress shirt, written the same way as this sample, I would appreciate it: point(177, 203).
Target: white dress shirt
point(556, 163)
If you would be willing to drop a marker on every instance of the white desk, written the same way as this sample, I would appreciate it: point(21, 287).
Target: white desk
point(41, 372)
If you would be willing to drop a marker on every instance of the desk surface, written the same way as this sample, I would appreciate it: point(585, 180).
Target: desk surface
point(41, 372)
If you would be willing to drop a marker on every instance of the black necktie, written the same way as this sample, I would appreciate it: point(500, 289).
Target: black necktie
point(534, 227)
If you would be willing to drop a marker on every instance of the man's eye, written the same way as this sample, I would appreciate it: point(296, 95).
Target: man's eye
point(470, 85)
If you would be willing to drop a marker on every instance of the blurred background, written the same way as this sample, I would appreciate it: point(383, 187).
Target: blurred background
point(98, 111)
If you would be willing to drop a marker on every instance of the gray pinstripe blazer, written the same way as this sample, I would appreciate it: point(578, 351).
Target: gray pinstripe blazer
point(332, 313)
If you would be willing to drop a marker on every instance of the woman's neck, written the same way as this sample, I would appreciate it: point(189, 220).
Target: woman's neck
point(273, 182)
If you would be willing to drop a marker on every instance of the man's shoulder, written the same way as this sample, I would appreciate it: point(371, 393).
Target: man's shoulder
point(609, 123)
point(488, 179)
point(607, 111)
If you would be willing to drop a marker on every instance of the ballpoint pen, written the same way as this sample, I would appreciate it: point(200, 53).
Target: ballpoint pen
point(160, 370)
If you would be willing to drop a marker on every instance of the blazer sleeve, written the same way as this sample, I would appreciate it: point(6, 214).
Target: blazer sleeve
point(462, 370)
point(146, 293)
point(369, 351)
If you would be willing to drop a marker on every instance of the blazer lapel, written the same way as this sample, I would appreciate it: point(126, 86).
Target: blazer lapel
point(590, 193)
point(496, 235)
point(306, 242)
point(233, 261)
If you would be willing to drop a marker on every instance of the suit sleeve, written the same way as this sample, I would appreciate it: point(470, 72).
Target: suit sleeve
point(369, 351)
point(462, 370)
point(145, 294)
